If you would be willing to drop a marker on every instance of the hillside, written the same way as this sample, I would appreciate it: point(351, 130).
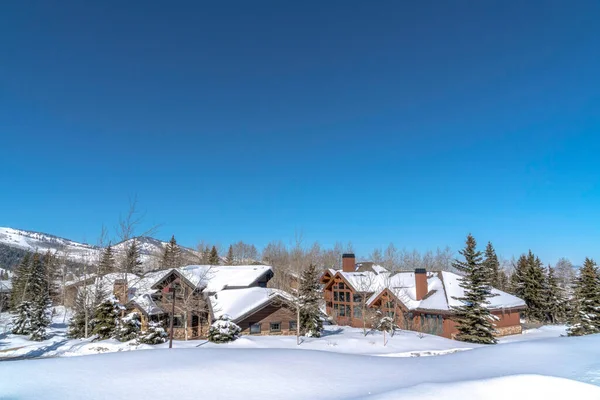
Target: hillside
point(15, 243)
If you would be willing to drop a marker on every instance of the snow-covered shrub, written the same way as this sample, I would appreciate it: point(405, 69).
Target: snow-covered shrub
point(223, 330)
point(386, 324)
point(155, 334)
point(129, 327)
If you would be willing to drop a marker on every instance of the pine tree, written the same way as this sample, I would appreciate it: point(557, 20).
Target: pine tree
point(230, 260)
point(132, 263)
point(129, 327)
point(155, 334)
point(492, 266)
point(52, 268)
point(77, 324)
point(586, 319)
point(20, 281)
point(532, 288)
point(40, 301)
point(22, 319)
point(473, 318)
point(206, 255)
point(105, 319)
point(172, 254)
point(555, 298)
point(517, 278)
point(213, 259)
point(309, 295)
point(107, 262)
point(223, 330)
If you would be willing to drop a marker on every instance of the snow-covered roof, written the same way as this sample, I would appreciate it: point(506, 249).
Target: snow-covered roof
point(5, 286)
point(214, 278)
point(147, 305)
point(442, 288)
point(501, 300)
point(237, 303)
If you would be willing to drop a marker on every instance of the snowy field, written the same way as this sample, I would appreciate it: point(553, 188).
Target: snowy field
point(539, 364)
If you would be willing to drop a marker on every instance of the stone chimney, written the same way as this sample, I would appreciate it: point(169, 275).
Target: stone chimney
point(120, 290)
point(348, 262)
point(421, 283)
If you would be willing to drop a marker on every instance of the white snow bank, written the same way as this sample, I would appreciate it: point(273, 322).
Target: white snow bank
point(510, 387)
point(295, 374)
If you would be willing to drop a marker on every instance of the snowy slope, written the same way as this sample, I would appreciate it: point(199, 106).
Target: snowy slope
point(78, 252)
point(549, 369)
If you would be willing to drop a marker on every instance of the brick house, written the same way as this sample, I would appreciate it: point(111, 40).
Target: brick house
point(420, 300)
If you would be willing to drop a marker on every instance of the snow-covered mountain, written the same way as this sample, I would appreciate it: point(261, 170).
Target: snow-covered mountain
point(77, 252)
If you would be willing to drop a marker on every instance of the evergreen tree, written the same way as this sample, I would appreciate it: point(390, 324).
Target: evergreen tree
point(532, 288)
point(40, 301)
point(105, 319)
point(309, 295)
point(473, 318)
point(129, 327)
point(172, 254)
point(132, 263)
point(107, 262)
point(223, 330)
point(155, 334)
point(518, 276)
point(52, 268)
point(492, 266)
point(555, 298)
point(77, 324)
point(230, 260)
point(20, 281)
point(206, 255)
point(22, 319)
point(213, 259)
point(586, 319)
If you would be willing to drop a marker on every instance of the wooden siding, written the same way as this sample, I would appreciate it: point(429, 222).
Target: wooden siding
point(267, 315)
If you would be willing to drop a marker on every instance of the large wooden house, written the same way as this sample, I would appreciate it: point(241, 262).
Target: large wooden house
point(420, 300)
point(199, 294)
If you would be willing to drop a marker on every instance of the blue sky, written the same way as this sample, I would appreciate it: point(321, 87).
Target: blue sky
point(349, 121)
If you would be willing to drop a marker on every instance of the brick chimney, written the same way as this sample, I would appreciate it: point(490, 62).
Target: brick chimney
point(421, 283)
point(120, 290)
point(348, 262)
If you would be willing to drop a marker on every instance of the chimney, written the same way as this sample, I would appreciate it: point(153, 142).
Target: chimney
point(348, 262)
point(120, 290)
point(421, 283)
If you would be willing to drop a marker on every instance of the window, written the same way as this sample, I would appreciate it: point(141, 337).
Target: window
point(348, 311)
point(293, 325)
point(177, 321)
point(390, 314)
point(357, 312)
point(275, 326)
point(357, 298)
point(335, 296)
point(341, 285)
point(347, 297)
point(254, 328)
point(389, 304)
point(342, 311)
point(336, 306)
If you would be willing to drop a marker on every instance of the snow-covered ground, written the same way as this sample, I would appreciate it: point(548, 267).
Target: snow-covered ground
point(523, 370)
point(538, 364)
point(337, 339)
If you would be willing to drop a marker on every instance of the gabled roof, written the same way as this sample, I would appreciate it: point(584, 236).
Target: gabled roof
point(240, 303)
point(443, 287)
point(213, 278)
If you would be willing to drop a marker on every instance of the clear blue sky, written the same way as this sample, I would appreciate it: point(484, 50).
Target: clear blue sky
point(371, 122)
